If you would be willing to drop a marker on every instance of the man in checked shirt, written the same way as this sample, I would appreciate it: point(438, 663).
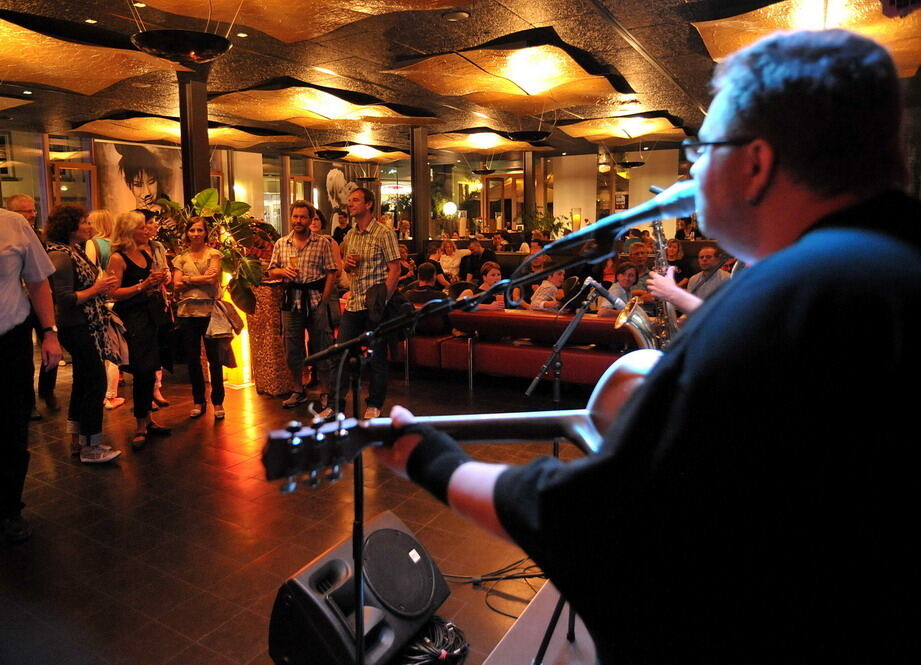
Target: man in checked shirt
point(304, 260)
point(371, 257)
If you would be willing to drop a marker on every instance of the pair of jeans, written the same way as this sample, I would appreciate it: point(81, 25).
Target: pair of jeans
point(192, 329)
point(316, 325)
point(89, 380)
point(16, 400)
point(352, 325)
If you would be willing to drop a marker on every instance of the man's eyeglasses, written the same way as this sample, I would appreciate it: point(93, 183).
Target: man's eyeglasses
point(694, 150)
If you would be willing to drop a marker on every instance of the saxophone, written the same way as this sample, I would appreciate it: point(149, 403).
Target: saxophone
point(651, 333)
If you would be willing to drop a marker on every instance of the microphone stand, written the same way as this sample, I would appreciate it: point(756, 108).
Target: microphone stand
point(556, 360)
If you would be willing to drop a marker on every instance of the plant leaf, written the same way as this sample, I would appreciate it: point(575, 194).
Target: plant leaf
point(242, 296)
point(207, 201)
point(236, 208)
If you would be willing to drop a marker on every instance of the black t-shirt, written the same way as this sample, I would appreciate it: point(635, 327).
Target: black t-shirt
point(756, 499)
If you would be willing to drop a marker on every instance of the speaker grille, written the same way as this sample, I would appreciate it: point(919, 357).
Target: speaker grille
point(399, 571)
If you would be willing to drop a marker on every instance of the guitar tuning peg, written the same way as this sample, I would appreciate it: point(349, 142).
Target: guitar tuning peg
point(335, 473)
point(313, 480)
point(289, 485)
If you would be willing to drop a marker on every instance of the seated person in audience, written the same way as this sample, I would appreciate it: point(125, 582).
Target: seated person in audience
point(639, 256)
point(674, 254)
point(425, 288)
point(470, 265)
point(434, 257)
point(501, 242)
point(624, 280)
point(490, 273)
point(549, 294)
point(536, 265)
point(407, 266)
point(710, 278)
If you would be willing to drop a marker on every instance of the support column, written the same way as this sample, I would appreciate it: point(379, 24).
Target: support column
point(193, 122)
point(422, 186)
point(530, 202)
point(284, 192)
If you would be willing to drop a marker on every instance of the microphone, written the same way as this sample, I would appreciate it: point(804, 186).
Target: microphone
point(676, 201)
point(604, 293)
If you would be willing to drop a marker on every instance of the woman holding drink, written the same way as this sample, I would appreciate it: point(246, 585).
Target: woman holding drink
point(136, 278)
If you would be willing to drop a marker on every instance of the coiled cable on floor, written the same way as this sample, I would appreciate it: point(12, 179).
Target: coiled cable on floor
point(438, 642)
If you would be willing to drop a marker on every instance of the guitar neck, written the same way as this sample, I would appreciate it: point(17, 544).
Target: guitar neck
point(574, 425)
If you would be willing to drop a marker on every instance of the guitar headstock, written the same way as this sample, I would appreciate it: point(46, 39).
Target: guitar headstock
point(315, 452)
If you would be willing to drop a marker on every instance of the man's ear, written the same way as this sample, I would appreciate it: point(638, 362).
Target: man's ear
point(760, 166)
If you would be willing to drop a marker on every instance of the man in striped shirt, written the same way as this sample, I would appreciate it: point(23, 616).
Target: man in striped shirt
point(371, 257)
point(304, 260)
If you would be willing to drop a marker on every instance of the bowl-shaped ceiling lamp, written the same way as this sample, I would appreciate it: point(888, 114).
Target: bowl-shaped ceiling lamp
point(186, 47)
point(902, 37)
point(69, 56)
point(624, 129)
point(139, 127)
point(311, 19)
point(482, 140)
point(356, 152)
point(314, 106)
point(527, 72)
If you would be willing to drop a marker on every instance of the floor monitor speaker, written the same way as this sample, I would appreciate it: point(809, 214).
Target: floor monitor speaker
point(313, 620)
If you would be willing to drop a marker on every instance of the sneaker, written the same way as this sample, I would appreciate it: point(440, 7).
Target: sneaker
point(197, 410)
point(219, 412)
point(98, 454)
point(372, 412)
point(113, 402)
point(15, 529)
point(294, 400)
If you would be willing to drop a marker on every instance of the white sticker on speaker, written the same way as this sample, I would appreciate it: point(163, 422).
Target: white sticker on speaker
point(414, 555)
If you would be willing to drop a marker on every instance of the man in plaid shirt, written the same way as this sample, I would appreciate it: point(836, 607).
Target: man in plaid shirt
point(371, 257)
point(304, 260)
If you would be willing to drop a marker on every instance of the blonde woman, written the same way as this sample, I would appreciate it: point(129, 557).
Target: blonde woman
point(136, 279)
point(99, 251)
point(451, 258)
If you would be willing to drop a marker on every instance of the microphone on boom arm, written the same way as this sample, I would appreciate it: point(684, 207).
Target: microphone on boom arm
point(675, 201)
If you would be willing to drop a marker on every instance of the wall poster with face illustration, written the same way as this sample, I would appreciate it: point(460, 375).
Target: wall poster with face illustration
point(133, 175)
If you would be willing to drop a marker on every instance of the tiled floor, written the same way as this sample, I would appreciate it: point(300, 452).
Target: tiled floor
point(174, 554)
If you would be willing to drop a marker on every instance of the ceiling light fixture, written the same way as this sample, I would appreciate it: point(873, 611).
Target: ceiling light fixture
point(91, 21)
point(27, 92)
point(139, 4)
point(455, 16)
point(242, 34)
point(324, 70)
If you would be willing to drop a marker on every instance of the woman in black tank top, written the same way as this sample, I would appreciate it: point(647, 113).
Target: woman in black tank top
point(137, 279)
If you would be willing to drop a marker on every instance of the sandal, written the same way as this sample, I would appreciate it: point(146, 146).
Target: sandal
point(139, 440)
point(197, 410)
point(219, 412)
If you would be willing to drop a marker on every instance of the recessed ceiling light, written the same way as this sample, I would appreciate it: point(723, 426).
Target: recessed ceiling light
point(27, 92)
point(326, 71)
point(139, 4)
point(242, 34)
point(139, 84)
point(454, 17)
point(564, 154)
point(90, 21)
point(480, 115)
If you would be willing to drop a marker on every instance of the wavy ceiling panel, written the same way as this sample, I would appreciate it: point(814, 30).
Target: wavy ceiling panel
point(528, 72)
point(142, 128)
point(295, 20)
point(482, 140)
point(25, 56)
point(12, 102)
point(614, 130)
point(901, 36)
point(359, 152)
point(313, 106)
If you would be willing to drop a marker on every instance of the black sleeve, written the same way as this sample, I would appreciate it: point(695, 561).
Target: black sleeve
point(62, 281)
